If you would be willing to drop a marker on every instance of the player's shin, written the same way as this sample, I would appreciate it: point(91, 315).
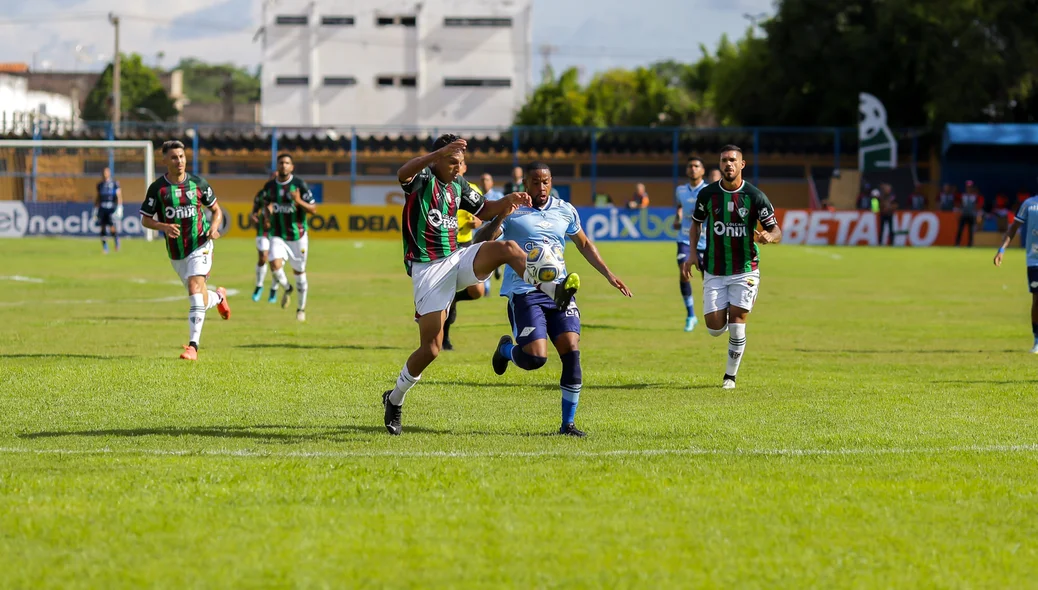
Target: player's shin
point(261, 275)
point(196, 317)
point(301, 284)
point(570, 384)
point(214, 300)
point(686, 295)
point(404, 382)
point(280, 278)
point(736, 347)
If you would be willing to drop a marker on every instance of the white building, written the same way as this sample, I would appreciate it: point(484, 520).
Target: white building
point(398, 63)
point(19, 106)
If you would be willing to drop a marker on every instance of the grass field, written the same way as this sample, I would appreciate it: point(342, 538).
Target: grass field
point(884, 432)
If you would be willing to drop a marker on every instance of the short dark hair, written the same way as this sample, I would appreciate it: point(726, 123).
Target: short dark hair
point(532, 166)
point(731, 148)
point(696, 159)
point(285, 155)
point(170, 145)
point(444, 140)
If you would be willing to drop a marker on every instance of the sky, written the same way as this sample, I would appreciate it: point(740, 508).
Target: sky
point(75, 35)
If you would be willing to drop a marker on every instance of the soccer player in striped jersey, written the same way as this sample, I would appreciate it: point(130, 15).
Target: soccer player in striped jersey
point(438, 269)
point(729, 211)
point(262, 220)
point(685, 201)
point(288, 200)
point(1027, 218)
point(174, 206)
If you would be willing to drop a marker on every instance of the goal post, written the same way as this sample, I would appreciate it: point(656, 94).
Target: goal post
point(67, 170)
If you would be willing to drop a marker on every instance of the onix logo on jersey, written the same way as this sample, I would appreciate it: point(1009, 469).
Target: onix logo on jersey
point(731, 230)
point(180, 212)
point(284, 208)
point(436, 218)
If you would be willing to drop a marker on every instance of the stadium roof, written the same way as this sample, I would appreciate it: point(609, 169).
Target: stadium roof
point(990, 134)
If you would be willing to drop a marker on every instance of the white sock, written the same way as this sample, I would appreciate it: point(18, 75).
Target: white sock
point(261, 275)
point(196, 317)
point(214, 300)
point(280, 278)
point(404, 382)
point(736, 346)
point(716, 333)
point(301, 286)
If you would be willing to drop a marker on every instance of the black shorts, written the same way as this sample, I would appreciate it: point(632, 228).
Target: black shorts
point(1032, 278)
point(104, 218)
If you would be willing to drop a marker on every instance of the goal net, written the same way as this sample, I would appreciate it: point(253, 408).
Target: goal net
point(57, 183)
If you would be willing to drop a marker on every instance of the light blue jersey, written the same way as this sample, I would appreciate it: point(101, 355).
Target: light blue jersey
point(531, 227)
point(1028, 216)
point(494, 195)
point(685, 197)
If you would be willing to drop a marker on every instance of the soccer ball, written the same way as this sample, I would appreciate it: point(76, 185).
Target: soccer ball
point(543, 265)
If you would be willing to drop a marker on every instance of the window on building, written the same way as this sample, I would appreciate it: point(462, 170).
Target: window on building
point(408, 21)
point(293, 80)
point(337, 21)
point(409, 81)
point(477, 22)
point(478, 82)
point(384, 21)
point(384, 80)
point(339, 81)
point(285, 19)
point(388, 21)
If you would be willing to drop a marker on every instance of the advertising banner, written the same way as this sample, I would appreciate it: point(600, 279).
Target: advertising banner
point(331, 221)
point(18, 219)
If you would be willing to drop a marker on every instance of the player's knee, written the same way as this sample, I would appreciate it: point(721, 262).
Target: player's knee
point(536, 362)
point(432, 349)
point(715, 332)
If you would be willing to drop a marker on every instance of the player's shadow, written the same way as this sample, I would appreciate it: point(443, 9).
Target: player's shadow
point(264, 432)
point(298, 346)
point(58, 355)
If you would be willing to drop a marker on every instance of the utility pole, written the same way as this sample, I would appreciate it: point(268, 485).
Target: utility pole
point(546, 71)
point(117, 98)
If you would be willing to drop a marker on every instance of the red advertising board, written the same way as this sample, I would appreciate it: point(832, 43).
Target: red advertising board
point(862, 228)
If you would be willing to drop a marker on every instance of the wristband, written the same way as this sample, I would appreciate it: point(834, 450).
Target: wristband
point(1001, 250)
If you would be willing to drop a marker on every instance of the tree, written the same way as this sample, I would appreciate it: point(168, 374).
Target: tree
point(556, 102)
point(140, 88)
point(204, 83)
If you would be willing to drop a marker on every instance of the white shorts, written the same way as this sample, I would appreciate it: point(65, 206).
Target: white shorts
point(197, 263)
point(721, 292)
point(436, 283)
point(294, 252)
point(262, 244)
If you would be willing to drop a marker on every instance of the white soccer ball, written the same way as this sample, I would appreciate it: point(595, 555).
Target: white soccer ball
point(543, 265)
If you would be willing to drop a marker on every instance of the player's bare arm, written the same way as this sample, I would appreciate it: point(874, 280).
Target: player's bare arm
point(1006, 240)
point(677, 218)
point(170, 229)
point(505, 206)
point(692, 261)
point(590, 253)
point(214, 226)
point(409, 170)
point(768, 236)
point(310, 208)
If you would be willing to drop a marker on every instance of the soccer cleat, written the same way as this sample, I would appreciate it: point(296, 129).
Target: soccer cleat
point(300, 315)
point(1034, 350)
point(447, 344)
point(190, 353)
point(571, 430)
point(273, 297)
point(564, 293)
point(690, 323)
point(224, 307)
point(728, 382)
point(256, 294)
point(500, 361)
point(286, 297)
point(392, 415)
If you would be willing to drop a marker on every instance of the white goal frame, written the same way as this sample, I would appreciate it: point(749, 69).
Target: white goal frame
point(149, 153)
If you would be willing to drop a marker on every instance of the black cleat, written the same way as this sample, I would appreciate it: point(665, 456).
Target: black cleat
point(571, 430)
point(392, 415)
point(564, 293)
point(447, 344)
point(499, 360)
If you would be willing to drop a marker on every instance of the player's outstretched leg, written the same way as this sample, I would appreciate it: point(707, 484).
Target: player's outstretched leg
point(493, 254)
point(302, 287)
point(261, 275)
point(282, 281)
point(570, 383)
point(690, 307)
point(430, 329)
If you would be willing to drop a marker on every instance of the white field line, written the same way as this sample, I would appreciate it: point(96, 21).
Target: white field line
point(21, 279)
point(230, 293)
point(968, 449)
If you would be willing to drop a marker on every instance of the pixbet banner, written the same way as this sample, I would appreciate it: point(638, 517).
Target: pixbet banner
point(799, 226)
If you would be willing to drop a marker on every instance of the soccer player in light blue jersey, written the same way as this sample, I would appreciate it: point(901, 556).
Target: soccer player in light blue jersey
point(685, 202)
point(1026, 217)
point(536, 319)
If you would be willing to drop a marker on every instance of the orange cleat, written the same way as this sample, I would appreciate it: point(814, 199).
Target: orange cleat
point(190, 353)
point(223, 307)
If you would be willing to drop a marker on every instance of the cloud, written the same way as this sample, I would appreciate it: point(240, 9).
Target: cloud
point(211, 21)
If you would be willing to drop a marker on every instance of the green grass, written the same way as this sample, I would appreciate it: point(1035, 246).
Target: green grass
point(883, 433)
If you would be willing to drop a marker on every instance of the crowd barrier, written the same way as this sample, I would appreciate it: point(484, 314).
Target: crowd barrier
point(810, 227)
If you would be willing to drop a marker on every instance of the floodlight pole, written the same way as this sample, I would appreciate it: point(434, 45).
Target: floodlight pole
point(117, 98)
